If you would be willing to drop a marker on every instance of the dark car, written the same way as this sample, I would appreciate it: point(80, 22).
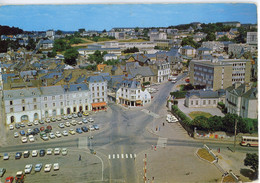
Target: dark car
point(26, 154)
point(42, 152)
point(84, 129)
point(31, 133)
point(78, 130)
point(36, 130)
point(49, 127)
point(79, 114)
point(2, 172)
point(17, 125)
point(18, 155)
point(22, 132)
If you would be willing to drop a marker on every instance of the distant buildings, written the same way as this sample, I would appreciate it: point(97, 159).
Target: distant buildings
point(232, 24)
point(215, 46)
point(251, 38)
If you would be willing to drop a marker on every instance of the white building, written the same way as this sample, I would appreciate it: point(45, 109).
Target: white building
point(163, 71)
point(215, 46)
point(109, 56)
point(157, 35)
point(131, 94)
point(251, 38)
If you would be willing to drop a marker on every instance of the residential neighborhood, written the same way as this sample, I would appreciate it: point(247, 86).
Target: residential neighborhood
point(176, 103)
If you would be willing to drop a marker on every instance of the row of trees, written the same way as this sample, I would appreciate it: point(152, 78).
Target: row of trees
point(131, 50)
point(97, 57)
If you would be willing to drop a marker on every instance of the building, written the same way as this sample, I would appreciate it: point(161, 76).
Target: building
point(251, 38)
point(130, 94)
point(87, 51)
point(157, 35)
point(204, 98)
point(47, 44)
point(215, 46)
point(162, 70)
point(50, 34)
point(242, 99)
point(219, 74)
point(238, 50)
point(164, 43)
point(98, 92)
point(203, 51)
point(188, 51)
point(142, 74)
point(109, 56)
point(125, 45)
point(232, 24)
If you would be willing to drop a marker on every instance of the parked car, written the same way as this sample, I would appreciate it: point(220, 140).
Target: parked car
point(42, 129)
point(38, 167)
point(34, 153)
point(49, 127)
point(64, 117)
point(36, 122)
point(84, 120)
point(9, 179)
point(91, 120)
point(17, 125)
point(73, 122)
point(79, 122)
point(47, 120)
point(19, 176)
point(56, 166)
point(58, 118)
point(42, 152)
point(16, 134)
point(41, 121)
point(79, 114)
point(29, 130)
point(65, 133)
point(67, 124)
point(44, 137)
point(18, 155)
point(78, 130)
point(56, 151)
point(31, 138)
point(29, 124)
point(22, 132)
point(69, 116)
point(96, 127)
point(84, 129)
point(64, 151)
point(58, 134)
point(72, 132)
point(11, 127)
point(85, 113)
point(2, 172)
point(26, 154)
point(22, 125)
point(47, 167)
point(49, 151)
point(53, 119)
point(36, 130)
point(6, 156)
point(91, 128)
point(28, 168)
point(51, 135)
point(24, 139)
point(74, 115)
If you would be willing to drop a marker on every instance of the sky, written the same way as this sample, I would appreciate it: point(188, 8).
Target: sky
point(105, 16)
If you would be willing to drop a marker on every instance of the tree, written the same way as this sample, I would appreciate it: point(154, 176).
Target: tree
point(247, 55)
point(189, 41)
point(104, 31)
point(201, 122)
point(70, 56)
point(136, 29)
point(60, 45)
point(215, 123)
point(224, 38)
point(59, 32)
point(211, 36)
point(229, 122)
point(252, 161)
point(31, 44)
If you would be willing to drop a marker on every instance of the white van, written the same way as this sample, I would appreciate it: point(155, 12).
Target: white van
point(171, 119)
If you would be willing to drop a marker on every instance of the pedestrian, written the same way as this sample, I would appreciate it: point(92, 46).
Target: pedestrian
point(163, 124)
point(218, 150)
point(79, 157)
point(152, 147)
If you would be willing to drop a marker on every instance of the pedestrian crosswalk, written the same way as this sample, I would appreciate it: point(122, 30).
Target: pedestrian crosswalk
point(121, 156)
point(82, 142)
point(162, 142)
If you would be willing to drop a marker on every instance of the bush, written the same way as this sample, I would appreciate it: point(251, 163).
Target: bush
point(179, 94)
point(181, 115)
point(146, 83)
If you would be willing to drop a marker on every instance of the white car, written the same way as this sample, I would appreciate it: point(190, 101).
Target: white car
point(16, 134)
point(53, 119)
point(58, 118)
point(64, 151)
point(24, 139)
point(56, 151)
point(79, 122)
point(47, 167)
point(91, 128)
point(69, 116)
point(29, 124)
point(11, 127)
point(90, 120)
point(31, 138)
point(73, 122)
point(61, 125)
point(29, 130)
point(74, 115)
point(58, 134)
point(6, 156)
point(67, 124)
point(36, 122)
point(56, 166)
point(28, 168)
point(65, 133)
point(51, 135)
point(49, 151)
point(48, 120)
point(34, 153)
point(65, 117)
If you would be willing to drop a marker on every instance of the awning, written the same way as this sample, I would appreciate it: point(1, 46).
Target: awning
point(139, 102)
point(100, 104)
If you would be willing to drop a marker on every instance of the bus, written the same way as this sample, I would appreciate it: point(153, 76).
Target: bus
point(249, 141)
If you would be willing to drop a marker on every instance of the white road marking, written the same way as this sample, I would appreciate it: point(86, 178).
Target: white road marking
point(113, 156)
point(126, 155)
point(109, 156)
point(135, 155)
point(131, 156)
point(117, 156)
point(122, 156)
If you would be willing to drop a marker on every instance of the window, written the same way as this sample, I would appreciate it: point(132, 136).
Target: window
point(53, 97)
point(34, 99)
point(61, 103)
point(35, 106)
point(197, 102)
point(98, 94)
point(103, 93)
point(122, 89)
point(74, 102)
point(191, 103)
point(102, 87)
point(60, 96)
point(93, 88)
point(144, 79)
point(23, 101)
point(11, 102)
point(98, 88)
point(45, 98)
point(46, 105)
point(214, 101)
point(23, 108)
point(204, 102)
point(209, 101)
point(80, 101)
point(53, 104)
point(86, 100)
point(11, 109)
point(68, 102)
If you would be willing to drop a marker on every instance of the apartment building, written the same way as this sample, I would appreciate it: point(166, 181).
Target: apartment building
point(98, 92)
point(215, 46)
point(251, 38)
point(162, 70)
point(242, 99)
point(131, 94)
point(219, 74)
point(238, 49)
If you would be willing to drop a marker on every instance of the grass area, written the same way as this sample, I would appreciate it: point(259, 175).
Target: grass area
point(194, 114)
point(229, 179)
point(204, 154)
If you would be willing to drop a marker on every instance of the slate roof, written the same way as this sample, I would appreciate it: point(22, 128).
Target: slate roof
point(109, 55)
point(144, 71)
point(51, 75)
point(81, 78)
point(238, 91)
point(187, 47)
point(130, 83)
point(205, 93)
point(5, 76)
point(68, 78)
point(47, 42)
point(204, 49)
point(75, 87)
point(251, 94)
point(21, 93)
point(52, 90)
point(93, 79)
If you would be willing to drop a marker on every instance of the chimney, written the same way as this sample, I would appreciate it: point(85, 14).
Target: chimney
point(247, 86)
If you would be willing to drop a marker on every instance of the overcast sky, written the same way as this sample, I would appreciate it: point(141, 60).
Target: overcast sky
point(99, 17)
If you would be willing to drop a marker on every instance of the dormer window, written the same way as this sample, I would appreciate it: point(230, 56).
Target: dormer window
point(21, 94)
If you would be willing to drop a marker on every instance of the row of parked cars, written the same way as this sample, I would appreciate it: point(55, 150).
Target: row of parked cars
point(171, 118)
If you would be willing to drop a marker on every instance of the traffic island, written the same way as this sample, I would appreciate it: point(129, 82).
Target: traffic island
point(228, 179)
point(205, 155)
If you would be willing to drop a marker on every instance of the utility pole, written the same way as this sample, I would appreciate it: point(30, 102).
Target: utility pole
point(235, 135)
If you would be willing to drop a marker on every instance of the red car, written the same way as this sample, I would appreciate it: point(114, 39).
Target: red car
point(49, 127)
point(9, 179)
point(42, 129)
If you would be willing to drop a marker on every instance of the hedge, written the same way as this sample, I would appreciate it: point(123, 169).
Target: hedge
point(179, 94)
point(181, 115)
